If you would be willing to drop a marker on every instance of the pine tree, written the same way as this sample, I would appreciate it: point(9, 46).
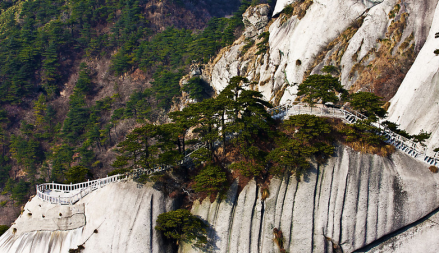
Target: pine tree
point(39, 110)
point(50, 69)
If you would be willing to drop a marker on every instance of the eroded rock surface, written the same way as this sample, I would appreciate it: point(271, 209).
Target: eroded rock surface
point(372, 45)
point(255, 19)
point(349, 202)
point(418, 237)
point(416, 104)
point(117, 218)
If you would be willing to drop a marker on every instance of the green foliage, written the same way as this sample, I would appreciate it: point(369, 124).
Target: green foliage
point(118, 171)
point(303, 136)
point(395, 128)
point(135, 150)
point(20, 191)
point(330, 69)
point(288, 10)
point(249, 168)
point(395, 11)
point(368, 104)
point(77, 118)
point(8, 186)
point(436, 52)
point(201, 155)
point(3, 229)
point(320, 87)
point(247, 46)
point(3, 204)
point(306, 127)
point(263, 45)
point(139, 106)
point(166, 86)
point(4, 169)
point(247, 111)
point(26, 150)
point(421, 137)
point(41, 42)
point(61, 158)
point(83, 85)
point(76, 174)
point(363, 133)
point(211, 179)
point(181, 225)
point(196, 87)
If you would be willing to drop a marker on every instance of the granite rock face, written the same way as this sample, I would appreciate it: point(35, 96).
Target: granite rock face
point(299, 46)
point(255, 19)
point(416, 104)
point(419, 237)
point(117, 218)
point(349, 202)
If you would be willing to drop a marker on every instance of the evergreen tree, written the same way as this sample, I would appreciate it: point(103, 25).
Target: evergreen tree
point(135, 150)
point(180, 225)
point(368, 104)
point(84, 84)
point(50, 69)
point(39, 110)
point(320, 87)
point(76, 174)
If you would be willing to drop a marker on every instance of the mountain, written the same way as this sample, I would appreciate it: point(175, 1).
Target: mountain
point(353, 202)
point(77, 76)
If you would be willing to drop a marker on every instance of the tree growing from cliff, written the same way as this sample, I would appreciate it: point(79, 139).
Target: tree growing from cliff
point(135, 150)
point(211, 179)
point(320, 87)
point(181, 226)
point(196, 88)
point(302, 137)
point(20, 191)
point(368, 104)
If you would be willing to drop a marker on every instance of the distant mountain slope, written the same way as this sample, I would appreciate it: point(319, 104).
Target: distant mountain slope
point(76, 76)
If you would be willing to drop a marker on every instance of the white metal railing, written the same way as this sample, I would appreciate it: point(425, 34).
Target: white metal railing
point(280, 112)
point(408, 146)
point(78, 191)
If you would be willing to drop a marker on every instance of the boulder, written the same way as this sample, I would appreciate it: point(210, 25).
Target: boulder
point(255, 19)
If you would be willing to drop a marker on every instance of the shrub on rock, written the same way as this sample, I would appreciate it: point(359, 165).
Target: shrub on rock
point(181, 225)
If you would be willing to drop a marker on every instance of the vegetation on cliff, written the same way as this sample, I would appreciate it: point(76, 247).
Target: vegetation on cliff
point(51, 131)
point(241, 140)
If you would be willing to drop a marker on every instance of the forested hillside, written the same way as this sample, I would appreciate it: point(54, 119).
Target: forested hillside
point(77, 76)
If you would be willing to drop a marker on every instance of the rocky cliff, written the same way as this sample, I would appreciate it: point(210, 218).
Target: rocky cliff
point(372, 46)
point(353, 202)
point(416, 104)
point(347, 203)
point(117, 218)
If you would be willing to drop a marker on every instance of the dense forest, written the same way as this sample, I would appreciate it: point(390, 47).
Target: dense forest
point(49, 132)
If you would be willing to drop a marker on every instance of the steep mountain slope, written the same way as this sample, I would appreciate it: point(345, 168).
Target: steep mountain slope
point(371, 44)
point(117, 218)
point(416, 104)
point(349, 202)
point(341, 206)
point(77, 76)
